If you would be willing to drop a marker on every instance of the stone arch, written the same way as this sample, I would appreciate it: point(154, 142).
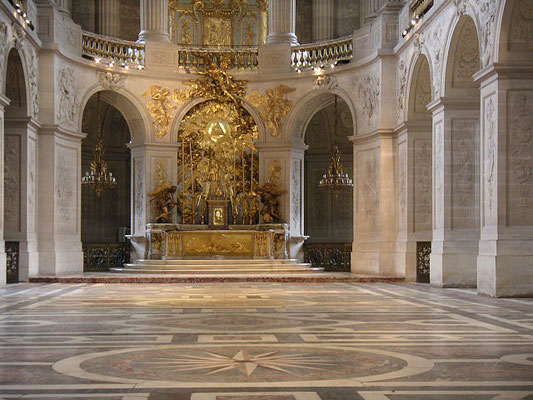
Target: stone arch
point(139, 123)
point(307, 106)
point(419, 89)
point(514, 32)
point(462, 58)
point(16, 82)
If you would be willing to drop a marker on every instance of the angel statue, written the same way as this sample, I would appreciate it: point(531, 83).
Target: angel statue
point(270, 197)
point(163, 195)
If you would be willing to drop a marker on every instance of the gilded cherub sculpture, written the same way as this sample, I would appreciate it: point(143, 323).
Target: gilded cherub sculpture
point(163, 196)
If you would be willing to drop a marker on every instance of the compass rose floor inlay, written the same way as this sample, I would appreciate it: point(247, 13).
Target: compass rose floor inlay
point(262, 341)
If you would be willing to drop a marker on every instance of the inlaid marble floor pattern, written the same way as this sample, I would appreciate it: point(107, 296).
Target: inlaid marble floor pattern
point(262, 341)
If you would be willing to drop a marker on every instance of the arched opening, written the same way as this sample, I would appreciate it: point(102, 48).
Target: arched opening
point(328, 221)
point(105, 220)
point(456, 227)
point(16, 197)
point(415, 174)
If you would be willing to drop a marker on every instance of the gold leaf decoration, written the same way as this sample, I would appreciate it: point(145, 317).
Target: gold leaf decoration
point(272, 106)
point(160, 107)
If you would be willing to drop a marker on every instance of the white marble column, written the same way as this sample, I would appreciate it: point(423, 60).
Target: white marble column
point(282, 22)
point(154, 21)
point(4, 102)
point(323, 19)
point(455, 239)
point(109, 17)
point(505, 261)
point(20, 217)
point(59, 202)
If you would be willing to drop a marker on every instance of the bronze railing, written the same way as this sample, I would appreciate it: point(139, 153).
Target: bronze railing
point(244, 58)
point(330, 256)
point(12, 261)
point(322, 54)
point(423, 253)
point(103, 48)
point(102, 256)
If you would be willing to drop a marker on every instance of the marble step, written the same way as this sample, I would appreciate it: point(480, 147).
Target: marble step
point(207, 271)
point(204, 261)
point(214, 265)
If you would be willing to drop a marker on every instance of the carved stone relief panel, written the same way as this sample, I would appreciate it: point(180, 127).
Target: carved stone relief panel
point(3, 48)
point(12, 184)
point(422, 184)
point(159, 170)
point(368, 90)
point(66, 190)
point(31, 185)
point(296, 205)
point(367, 190)
point(68, 107)
point(464, 164)
point(402, 186)
point(33, 67)
point(423, 89)
point(139, 195)
point(490, 160)
point(522, 24)
point(466, 62)
point(438, 173)
point(402, 89)
point(520, 164)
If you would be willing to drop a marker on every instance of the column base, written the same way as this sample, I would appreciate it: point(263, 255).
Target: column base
point(505, 276)
point(367, 259)
point(279, 38)
point(453, 270)
point(153, 36)
point(61, 262)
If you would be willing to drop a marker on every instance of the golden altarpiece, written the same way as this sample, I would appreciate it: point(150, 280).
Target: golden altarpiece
point(222, 210)
point(215, 23)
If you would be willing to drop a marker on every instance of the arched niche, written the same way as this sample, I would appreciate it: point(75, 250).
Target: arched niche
point(419, 91)
point(328, 219)
point(463, 60)
point(514, 32)
point(105, 219)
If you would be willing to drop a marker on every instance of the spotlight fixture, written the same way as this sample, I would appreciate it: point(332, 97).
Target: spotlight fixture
point(96, 60)
point(26, 19)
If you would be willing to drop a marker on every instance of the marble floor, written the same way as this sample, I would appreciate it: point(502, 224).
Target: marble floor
point(262, 341)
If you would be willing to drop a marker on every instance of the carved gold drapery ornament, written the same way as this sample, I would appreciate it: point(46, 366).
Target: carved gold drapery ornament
point(160, 107)
point(273, 106)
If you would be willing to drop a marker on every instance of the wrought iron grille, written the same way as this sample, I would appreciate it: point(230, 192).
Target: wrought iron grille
point(331, 256)
point(12, 262)
point(99, 257)
point(423, 251)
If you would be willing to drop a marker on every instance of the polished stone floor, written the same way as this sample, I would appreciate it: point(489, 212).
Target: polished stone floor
point(262, 341)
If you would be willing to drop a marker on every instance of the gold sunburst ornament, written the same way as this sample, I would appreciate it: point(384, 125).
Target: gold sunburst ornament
point(335, 179)
point(98, 177)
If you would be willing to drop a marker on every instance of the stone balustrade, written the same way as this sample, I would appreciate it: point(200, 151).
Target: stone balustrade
point(111, 50)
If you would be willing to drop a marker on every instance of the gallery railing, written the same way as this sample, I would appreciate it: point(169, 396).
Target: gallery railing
point(111, 50)
point(103, 256)
point(330, 256)
point(132, 54)
point(241, 58)
point(322, 54)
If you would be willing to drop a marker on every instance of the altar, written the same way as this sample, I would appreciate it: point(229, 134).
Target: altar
point(185, 241)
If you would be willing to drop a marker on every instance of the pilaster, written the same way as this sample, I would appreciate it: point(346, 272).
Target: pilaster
point(4, 102)
point(323, 19)
point(109, 17)
point(455, 192)
point(59, 201)
point(505, 260)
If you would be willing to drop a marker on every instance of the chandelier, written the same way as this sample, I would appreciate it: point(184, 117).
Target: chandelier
point(335, 179)
point(98, 177)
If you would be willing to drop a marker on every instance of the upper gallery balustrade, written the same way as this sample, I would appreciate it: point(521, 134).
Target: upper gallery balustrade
point(128, 54)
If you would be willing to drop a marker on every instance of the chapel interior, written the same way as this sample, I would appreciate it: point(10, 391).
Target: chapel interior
point(266, 199)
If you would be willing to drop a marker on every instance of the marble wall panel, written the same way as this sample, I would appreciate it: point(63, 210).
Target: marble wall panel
point(12, 184)
point(422, 185)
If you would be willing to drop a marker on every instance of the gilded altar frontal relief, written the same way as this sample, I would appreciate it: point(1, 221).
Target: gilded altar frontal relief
point(266, 199)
